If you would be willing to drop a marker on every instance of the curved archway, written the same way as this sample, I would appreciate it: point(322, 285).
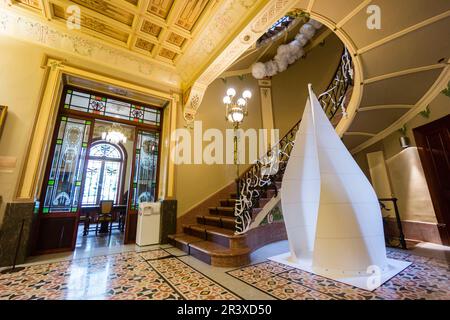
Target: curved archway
point(105, 170)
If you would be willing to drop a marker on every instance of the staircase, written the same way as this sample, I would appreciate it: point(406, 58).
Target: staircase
point(213, 240)
point(227, 235)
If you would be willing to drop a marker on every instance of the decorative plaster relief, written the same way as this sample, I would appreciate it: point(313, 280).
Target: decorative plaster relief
point(271, 12)
point(32, 30)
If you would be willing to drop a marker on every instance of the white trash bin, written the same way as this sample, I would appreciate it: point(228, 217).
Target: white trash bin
point(148, 224)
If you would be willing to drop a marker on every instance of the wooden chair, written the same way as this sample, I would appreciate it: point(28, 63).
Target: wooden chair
point(105, 214)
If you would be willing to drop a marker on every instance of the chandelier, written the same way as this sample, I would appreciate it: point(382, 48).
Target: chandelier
point(236, 110)
point(115, 134)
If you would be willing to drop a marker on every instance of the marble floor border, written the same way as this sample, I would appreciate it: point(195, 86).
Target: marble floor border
point(189, 266)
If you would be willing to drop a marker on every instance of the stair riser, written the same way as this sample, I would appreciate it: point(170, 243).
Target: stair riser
point(218, 239)
point(195, 233)
point(232, 243)
point(218, 212)
point(206, 258)
point(231, 262)
point(209, 222)
point(228, 203)
point(179, 245)
point(230, 225)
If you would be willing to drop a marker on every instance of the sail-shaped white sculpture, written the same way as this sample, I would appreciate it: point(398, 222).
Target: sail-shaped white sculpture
point(331, 212)
point(301, 192)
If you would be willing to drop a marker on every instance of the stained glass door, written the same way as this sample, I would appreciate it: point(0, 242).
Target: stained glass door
point(58, 215)
point(144, 183)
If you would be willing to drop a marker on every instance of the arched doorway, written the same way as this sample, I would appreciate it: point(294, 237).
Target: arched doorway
point(104, 173)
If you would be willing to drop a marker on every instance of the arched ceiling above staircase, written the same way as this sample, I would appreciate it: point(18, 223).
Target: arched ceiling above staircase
point(403, 65)
point(399, 68)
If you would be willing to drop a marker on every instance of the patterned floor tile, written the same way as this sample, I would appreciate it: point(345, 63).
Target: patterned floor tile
point(122, 276)
point(154, 254)
point(189, 282)
point(426, 278)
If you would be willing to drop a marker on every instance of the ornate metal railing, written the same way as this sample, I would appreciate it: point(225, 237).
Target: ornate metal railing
point(262, 176)
point(401, 236)
point(334, 97)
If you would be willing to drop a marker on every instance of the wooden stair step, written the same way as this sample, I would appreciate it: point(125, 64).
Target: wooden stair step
point(228, 202)
point(224, 211)
point(218, 255)
point(215, 230)
point(222, 236)
point(217, 221)
point(183, 240)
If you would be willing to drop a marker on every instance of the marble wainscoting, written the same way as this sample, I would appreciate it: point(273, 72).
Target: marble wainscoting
point(9, 232)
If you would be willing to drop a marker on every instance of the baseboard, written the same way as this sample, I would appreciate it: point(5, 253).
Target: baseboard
point(415, 230)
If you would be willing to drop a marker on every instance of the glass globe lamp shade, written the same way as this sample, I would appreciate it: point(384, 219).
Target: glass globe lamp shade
point(227, 100)
point(247, 94)
point(231, 92)
point(236, 115)
point(241, 102)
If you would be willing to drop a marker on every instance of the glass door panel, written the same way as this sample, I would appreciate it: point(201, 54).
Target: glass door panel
point(64, 182)
point(58, 217)
point(111, 178)
point(92, 184)
point(144, 182)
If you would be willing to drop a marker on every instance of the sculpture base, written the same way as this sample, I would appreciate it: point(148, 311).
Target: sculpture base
point(369, 282)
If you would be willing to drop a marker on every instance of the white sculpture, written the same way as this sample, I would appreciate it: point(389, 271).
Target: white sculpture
point(331, 212)
point(300, 193)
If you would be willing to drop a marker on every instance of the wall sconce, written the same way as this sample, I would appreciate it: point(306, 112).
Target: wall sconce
point(404, 139)
point(405, 142)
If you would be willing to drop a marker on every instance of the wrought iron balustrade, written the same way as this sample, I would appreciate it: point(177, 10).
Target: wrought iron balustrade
point(398, 221)
point(262, 176)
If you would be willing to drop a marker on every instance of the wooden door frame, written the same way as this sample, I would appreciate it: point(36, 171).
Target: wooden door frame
point(49, 163)
point(433, 185)
point(63, 112)
point(133, 171)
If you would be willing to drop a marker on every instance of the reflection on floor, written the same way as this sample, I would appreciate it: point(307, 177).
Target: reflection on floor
point(164, 272)
point(91, 241)
point(148, 275)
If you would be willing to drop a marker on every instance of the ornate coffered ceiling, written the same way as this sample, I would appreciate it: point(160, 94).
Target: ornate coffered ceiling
point(159, 29)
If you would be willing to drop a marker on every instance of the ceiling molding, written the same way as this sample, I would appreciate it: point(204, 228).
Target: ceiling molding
point(310, 5)
point(404, 72)
point(398, 34)
point(356, 133)
point(354, 12)
point(384, 107)
point(29, 28)
point(440, 84)
point(235, 73)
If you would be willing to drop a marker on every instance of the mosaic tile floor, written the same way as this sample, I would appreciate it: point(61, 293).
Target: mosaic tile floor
point(426, 278)
point(154, 274)
point(157, 274)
